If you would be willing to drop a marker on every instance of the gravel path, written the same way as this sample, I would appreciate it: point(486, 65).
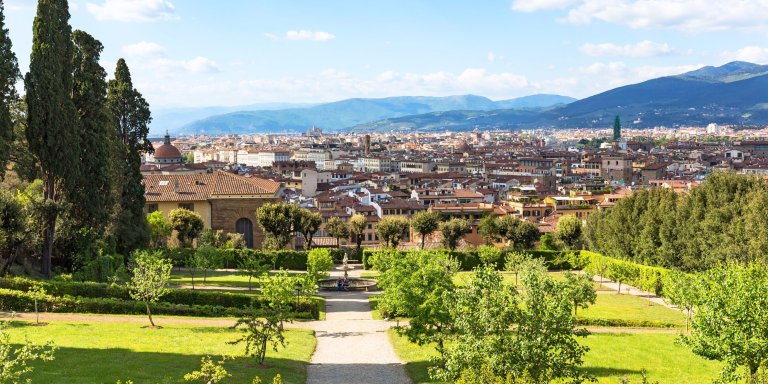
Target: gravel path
point(351, 346)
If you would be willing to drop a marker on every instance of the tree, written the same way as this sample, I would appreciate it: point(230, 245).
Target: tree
point(514, 262)
point(38, 293)
point(580, 289)
point(159, 229)
point(307, 224)
point(682, 289)
point(391, 230)
point(357, 226)
point(131, 117)
point(259, 333)
point(547, 243)
point(210, 372)
point(489, 254)
point(206, 258)
point(425, 223)
point(187, 224)
point(520, 233)
point(92, 195)
point(319, 262)
point(9, 76)
point(730, 319)
point(151, 273)
point(616, 128)
point(277, 220)
point(52, 126)
point(620, 272)
point(568, 231)
point(211, 238)
point(488, 229)
point(253, 266)
point(12, 230)
point(337, 229)
point(15, 361)
point(453, 230)
point(278, 292)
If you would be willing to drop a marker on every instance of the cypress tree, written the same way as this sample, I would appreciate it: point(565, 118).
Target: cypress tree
point(9, 74)
point(131, 116)
point(91, 196)
point(52, 130)
point(616, 128)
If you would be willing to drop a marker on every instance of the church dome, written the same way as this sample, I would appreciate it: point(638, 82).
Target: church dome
point(167, 151)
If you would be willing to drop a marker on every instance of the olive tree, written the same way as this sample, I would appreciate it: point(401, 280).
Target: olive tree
point(307, 223)
point(391, 231)
point(337, 229)
point(187, 224)
point(568, 232)
point(453, 230)
point(425, 223)
point(278, 221)
point(357, 225)
point(151, 273)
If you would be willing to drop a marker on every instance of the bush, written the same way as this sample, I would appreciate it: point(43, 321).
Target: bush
point(230, 258)
point(101, 269)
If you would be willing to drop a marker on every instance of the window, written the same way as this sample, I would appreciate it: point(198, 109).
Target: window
point(187, 206)
point(151, 208)
point(245, 227)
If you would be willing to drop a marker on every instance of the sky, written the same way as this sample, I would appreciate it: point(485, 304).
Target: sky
point(192, 53)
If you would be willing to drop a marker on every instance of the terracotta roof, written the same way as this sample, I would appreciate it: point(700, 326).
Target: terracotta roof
point(198, 187)
point(167, 151)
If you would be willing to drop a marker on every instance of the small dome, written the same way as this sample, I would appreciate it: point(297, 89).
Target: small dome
point(167, 151)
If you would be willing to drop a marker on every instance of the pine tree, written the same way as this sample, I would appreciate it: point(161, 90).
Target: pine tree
point(92, 194)
point(131, 115)
point(9, 74)
point(52, 129)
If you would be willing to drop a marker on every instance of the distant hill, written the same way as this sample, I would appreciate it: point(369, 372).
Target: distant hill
point(347, 113)
point(734, 93)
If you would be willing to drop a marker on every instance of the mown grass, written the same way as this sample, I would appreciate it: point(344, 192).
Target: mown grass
point(611, 357)
point(631, 308)
point(106, 352)
point(216, 279)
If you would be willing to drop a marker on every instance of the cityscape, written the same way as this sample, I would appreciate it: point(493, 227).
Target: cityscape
point(512, 192)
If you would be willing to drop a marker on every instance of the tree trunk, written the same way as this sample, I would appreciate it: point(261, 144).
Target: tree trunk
point(37, 313)
point(193, 280)
point(149, 313)
point(50, 226)
point(422, 241)
point(205, 276)
point(249, 281)
point(11, 259)
point(619, 291)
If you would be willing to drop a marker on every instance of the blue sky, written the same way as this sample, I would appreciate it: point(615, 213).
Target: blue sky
point(237, 52)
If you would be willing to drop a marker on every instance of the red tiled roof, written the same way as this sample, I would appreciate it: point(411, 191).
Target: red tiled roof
point(197, 187)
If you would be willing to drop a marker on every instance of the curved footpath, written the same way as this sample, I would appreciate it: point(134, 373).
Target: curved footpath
point(351, 346)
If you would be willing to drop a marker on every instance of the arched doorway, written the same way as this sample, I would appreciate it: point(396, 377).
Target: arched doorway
point(245, 227)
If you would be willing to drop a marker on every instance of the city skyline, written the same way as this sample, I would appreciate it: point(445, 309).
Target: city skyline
point(195, 53)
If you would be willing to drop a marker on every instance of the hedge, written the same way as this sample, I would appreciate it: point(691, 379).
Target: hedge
point(13, 300)
point(468, 260)
point(230, 258)
point(86, 290)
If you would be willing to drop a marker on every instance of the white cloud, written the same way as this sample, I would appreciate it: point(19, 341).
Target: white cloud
point(541, 5)
point(170, 67)
point(144, 49)
point(133, 10)
point(601, 76)
point(644, 48)
point(308, 35)
point(688, 15)
point(491, 56)
point(753, 54)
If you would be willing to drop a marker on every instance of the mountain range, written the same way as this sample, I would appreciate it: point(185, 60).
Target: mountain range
point(731, 94)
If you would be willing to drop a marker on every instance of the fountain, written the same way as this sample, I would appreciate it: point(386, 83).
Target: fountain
point(355, 283)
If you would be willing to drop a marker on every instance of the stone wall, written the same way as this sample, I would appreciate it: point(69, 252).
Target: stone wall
point(226, 212)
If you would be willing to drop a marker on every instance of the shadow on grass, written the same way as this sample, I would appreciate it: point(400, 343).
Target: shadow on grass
point(78, 365)
point(600, 372)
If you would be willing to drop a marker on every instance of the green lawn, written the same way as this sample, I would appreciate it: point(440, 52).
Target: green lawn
point(633, 308)
point(106, 352)
point(215, 278)
point(611, 357)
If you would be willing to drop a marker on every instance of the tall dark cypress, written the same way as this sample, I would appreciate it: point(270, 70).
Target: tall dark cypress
point(91, 195)
point(9, 75)
point(52, 129)
point(131, 115)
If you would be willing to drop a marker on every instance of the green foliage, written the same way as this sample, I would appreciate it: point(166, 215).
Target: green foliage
point(453, 230)
point(425, 223)
point(210, 372)
point(187, 224)
point(278, 220)
point(307, 224)
point(9, 76)
point(102, 268)
point(522, 234)
point(547, 243)
point(488, 229)
point(278, 291)
point(337, 229)
point(319, 262)
point(568, 232)
point(391, 230)
point(130, 117)
point(731, 316)
point(15, 361)
point(211, 238)
point(723, 219)
point(159, 229)
point(259, 333)
point(52, 122)
point(253, 266)
point(206, 258)
point(580, 289)
point(681, 289)
point(490, 255)
point(616, 128)
point(150, 278)
point(357, 226)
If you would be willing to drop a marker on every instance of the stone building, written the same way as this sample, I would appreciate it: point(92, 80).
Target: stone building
point(225, 201)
